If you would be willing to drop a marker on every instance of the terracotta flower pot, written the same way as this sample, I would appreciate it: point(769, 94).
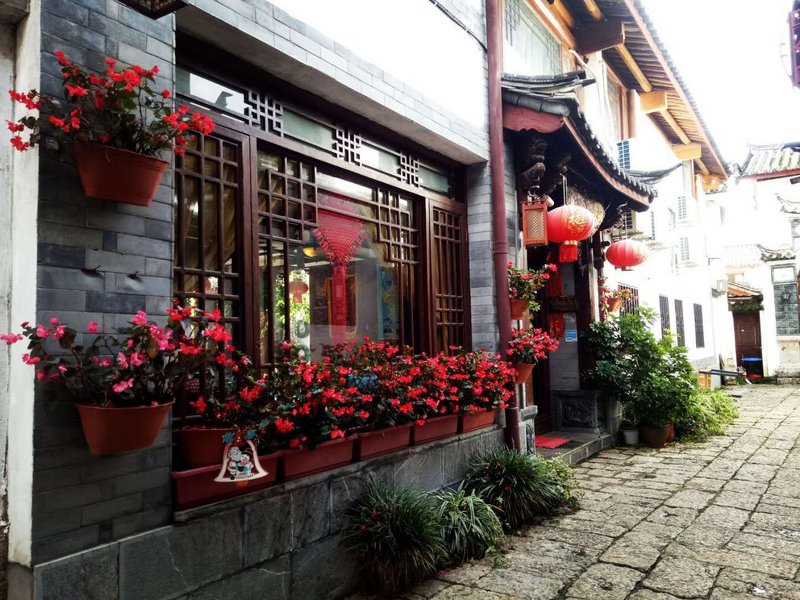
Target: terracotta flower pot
point(671, 436)
point(382, 441)
point(436, 428)
point(200, 447)
point(118, 175)
point(326, 456)
point(655, 437)
point(196, 487)
point(112, 430)
point(471, 422)
point(518, 309)
point(524, 371)
point(614, 305)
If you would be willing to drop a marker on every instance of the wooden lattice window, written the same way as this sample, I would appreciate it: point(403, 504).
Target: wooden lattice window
point(207, 243)
point(680, 330)
point(448, 278)
point(663, 306)
point(699, 332)
point(630, 306)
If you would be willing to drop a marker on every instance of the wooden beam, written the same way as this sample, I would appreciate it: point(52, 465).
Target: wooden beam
point(637, 73)
point(687, 151)
point(519, 118)
point(655, 101)
point(600, 36)
point(675, 126)
point(593, 9)
point(545, 12)
point(563, 13)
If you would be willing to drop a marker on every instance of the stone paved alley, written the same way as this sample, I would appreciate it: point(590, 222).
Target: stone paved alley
point(718, 520)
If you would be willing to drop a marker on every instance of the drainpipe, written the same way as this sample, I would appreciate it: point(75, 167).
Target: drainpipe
point(497, 171)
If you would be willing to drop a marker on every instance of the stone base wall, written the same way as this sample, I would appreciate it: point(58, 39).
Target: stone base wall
point(282, 543)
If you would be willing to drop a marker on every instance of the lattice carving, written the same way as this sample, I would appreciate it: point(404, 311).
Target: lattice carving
point(348, 145)
point(409, 169)
point(531, 166)
point(264, 112)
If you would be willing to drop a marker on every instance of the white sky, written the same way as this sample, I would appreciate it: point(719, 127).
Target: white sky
point(732, 57)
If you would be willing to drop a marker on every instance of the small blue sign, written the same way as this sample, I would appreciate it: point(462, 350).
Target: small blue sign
point(570, 335)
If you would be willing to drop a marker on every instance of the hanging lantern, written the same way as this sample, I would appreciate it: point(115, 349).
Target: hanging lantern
point(534, 223)
point(569, 225)
point(625, 254)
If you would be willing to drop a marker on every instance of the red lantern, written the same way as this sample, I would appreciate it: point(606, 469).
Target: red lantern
point(568, 225)
point(297, 288)
point(626, 253)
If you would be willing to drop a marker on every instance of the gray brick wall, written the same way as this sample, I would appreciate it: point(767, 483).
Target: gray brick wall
point(481, 262)
point(786, 314)
point(98, 261)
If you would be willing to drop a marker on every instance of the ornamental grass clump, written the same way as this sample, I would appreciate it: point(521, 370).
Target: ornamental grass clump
point(705, 413)
point(395, 535)
point(470, 528)
point(521, 487)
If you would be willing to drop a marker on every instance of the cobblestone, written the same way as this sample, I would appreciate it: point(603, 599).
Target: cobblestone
point(718, 520)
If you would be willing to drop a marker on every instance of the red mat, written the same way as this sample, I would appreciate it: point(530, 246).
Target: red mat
point(550, 442)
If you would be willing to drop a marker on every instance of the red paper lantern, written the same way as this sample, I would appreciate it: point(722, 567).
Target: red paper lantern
point(626, 253)
point(568, 225)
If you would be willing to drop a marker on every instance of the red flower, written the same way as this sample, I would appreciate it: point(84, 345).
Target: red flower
point(15, 127)
point(166, 93)
point(336, 433)
point(18, 144)
point(284, 425)
point(76, 90)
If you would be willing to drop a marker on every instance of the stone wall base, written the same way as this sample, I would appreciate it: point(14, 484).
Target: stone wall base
point(282, 543)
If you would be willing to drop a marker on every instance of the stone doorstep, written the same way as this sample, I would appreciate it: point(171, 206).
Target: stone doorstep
point(580, 447)
point(189, 514)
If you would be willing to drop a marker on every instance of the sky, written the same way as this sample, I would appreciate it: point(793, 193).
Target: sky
point(732, 55)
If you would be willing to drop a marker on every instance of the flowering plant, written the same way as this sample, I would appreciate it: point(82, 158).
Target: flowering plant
point(529, 345)
point(146, 367)
point(487, 380)
point(608, 297)
point(524, 283)
point(118, 108)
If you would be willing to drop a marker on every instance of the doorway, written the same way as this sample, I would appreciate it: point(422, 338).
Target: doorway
point(747, 337)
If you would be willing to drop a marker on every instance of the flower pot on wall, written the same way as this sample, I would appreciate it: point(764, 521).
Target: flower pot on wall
point(436, 428)
point(614, 305)
point(524, 371)
point(113, 430)
point(382, 441)
point(655, 437)
point(518, 309)
point(200, 447)
point(195, 487)
point(118, 175)
point(471, 422)
point(326, 456)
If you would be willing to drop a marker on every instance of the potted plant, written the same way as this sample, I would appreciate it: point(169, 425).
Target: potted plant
point(525, 349)
point(630, 432)
point(523, 285)
point(487, 382)
point(118, 124)
point(611, 300)
point(123, 387)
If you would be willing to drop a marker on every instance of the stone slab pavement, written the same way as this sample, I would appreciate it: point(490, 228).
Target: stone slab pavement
point(718, 520)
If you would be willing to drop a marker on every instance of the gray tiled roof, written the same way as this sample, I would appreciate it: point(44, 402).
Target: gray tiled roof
point(769, 160)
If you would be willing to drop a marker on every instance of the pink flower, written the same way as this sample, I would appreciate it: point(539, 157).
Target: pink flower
point(122, 386)
point(30, 360)
point(122, 360)
point(42, 331)
point(10, 338)
point(93, 327)
point(140, 318)
point(59, 332)
point(137, 359)
point(62, 369)
point(54, 321)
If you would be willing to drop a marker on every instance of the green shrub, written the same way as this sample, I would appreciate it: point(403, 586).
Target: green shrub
point(469, 526)
point(395, 536)
point(653, 379)
point(707, 412)
point(521, 487)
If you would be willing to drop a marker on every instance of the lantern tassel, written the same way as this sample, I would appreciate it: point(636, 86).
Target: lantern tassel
point(568, 252)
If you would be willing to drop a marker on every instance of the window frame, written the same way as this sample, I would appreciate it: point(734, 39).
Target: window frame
point(699, 327)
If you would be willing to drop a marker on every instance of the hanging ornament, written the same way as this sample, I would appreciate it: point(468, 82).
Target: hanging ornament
point(569, 225)
point(297, 288)
point(239, 461)
point(625, 254)
point(534, 222)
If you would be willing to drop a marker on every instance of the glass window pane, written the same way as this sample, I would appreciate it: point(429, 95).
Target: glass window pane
point(211, 226)
point(380, 159)
point(433, 180)
point(302, 128)
point(191, 222)
point(219, 95)
point(229, 223)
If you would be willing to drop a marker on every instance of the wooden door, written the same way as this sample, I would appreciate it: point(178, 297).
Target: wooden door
point(747, 335)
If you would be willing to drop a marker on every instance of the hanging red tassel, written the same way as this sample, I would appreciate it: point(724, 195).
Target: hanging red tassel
point(568, 252)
